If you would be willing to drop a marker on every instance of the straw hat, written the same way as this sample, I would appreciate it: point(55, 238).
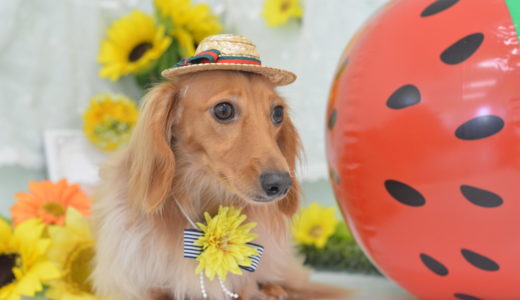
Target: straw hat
point(228, 52)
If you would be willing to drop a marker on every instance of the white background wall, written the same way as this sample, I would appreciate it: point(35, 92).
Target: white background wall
point(48, 72)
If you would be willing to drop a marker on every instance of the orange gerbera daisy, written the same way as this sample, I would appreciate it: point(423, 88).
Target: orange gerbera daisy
point(49, 201)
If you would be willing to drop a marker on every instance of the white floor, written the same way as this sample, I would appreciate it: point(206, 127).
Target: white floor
point(365, 287)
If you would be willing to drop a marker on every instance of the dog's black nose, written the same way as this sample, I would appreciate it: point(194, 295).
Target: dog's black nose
point(275, 184)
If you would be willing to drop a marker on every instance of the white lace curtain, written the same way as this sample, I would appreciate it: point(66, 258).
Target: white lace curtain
point(48, 68)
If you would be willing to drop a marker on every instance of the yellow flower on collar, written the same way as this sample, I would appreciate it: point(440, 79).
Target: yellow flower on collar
point(223, 244)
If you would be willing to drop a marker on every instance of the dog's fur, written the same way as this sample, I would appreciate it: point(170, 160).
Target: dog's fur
point(179, 151)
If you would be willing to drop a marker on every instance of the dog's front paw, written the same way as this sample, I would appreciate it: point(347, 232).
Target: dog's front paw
point(274, 291)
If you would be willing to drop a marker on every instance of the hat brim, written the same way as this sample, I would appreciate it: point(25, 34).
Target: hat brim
point(275, 75)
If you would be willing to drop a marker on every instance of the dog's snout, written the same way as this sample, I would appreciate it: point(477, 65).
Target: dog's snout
point(275, 184)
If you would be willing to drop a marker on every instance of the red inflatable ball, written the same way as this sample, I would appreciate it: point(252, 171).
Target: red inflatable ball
point(423, 142)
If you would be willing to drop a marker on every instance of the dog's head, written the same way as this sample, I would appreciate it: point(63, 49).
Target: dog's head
point(230, 125)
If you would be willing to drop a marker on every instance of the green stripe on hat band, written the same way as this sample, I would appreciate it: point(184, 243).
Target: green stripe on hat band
point(514, 10)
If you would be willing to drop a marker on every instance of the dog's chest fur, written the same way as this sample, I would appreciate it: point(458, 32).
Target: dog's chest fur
point(145, 253)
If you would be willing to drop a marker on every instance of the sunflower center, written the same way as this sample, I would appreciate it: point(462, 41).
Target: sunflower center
point(79, 267)
point(139, 51)
point(316, 231)
point(111, 128)
point(285, 5)
point(54, 208)
point(7, 263)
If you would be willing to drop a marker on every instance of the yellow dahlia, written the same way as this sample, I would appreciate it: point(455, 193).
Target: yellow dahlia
point(278, 12)
point(72, 250)
point(314, 225)
point(224, 246)
point(48, 201)
point(134, 42)
point(109, 120)
point(24, 267)
point(188, 23)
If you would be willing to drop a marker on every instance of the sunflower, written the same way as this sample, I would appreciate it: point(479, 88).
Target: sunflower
point(223, 244)
point(188, 24)
point(109, 120)
point(134, 42)
point(49, 201)
point(72, 250)
point(278, 12)
point(24, 266)
point(314, 225)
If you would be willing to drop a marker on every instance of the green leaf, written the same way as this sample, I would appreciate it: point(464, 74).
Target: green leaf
point(6, 219)
point(341, 253)
point(41, 294)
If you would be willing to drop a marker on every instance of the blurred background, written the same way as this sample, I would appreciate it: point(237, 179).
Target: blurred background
point(49, 71)
point(72, 73)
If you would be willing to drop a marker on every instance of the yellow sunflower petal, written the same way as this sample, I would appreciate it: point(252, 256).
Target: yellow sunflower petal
point(278, 12)
point(314, 225)
point(133, 43)
point(224, 243)
point(109, 121)
point(72, 252)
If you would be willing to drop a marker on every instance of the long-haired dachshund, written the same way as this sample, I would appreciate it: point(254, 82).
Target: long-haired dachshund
point(205, 139)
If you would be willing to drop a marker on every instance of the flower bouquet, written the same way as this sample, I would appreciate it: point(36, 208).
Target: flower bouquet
point(47, 249)
point(143, 45)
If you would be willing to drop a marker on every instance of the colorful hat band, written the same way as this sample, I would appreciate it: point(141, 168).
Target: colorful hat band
point(213, 56)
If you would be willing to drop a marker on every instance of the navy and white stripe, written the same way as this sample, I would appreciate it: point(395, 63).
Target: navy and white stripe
point(255, 260)
point(190, 237)
point(192, 251)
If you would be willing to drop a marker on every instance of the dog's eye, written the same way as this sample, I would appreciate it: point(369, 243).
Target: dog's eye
point(224, 112)
point(277, 115)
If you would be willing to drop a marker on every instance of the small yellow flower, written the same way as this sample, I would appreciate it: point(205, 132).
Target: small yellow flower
point(314, 225)
point(278, 12)
point(188, 23)
point(109, 120)
point(24, 267)
point(72, 250)
point(134, 42)
point(224, 243)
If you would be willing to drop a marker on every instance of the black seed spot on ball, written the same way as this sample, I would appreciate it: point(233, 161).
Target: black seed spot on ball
point(434, 265)
point(465, 297)
point(404, 96)
point(404, 193)
point(437, 7)
point(479, 260)
point(479, 128)
point(332, 118)
point(462, 49)
point(481, 197)
point(342, 67)
point(334, 176)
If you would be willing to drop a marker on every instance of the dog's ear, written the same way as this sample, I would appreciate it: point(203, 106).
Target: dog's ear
point(150, 157)
point(290, 145)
